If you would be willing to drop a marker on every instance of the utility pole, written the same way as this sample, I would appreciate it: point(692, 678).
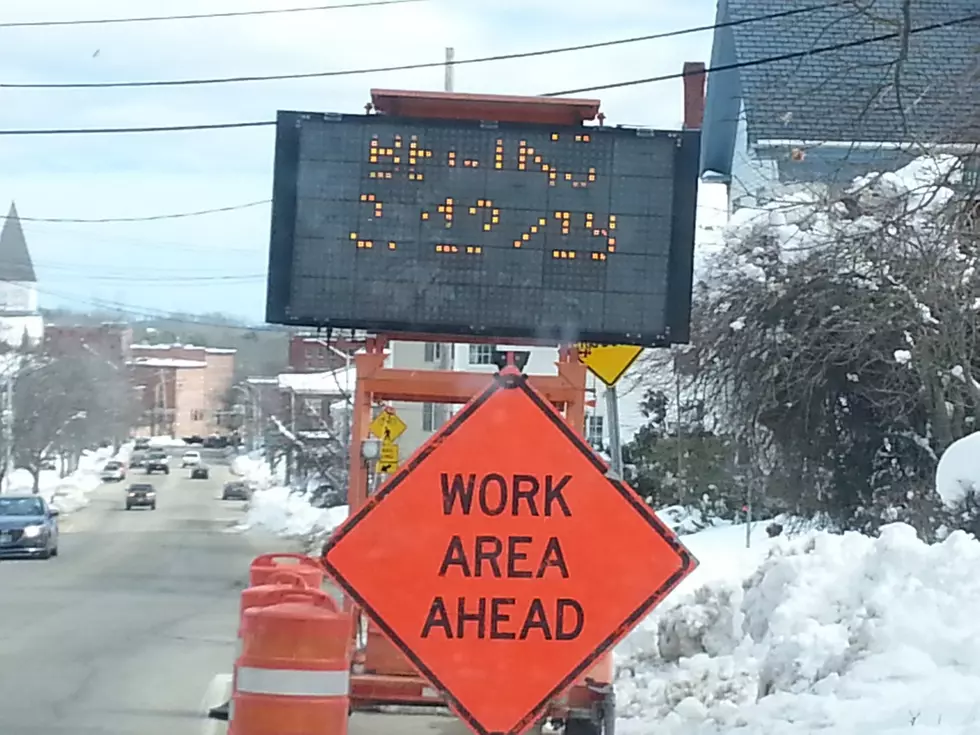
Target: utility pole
point(446, 349)
point(8, 430)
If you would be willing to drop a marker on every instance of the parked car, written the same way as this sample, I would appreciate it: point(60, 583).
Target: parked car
point(200, 472)
point(141, 495)
point(141, 443)
point(190, 459)
point(236, 490)
point(157, 461)
point(28, 527)
point(113, 471)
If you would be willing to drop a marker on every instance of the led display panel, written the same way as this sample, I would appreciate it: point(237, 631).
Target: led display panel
point(463, 228)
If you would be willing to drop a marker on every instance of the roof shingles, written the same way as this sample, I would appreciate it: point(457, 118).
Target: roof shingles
point(850, 94)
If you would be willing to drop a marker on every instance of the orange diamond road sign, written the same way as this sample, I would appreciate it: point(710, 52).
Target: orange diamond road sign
point(503, 561)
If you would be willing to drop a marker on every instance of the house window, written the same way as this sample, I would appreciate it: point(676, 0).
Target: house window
point(313, 406)
point(197, 414)
point(428, 417)
point(481, 354)
point(593, 430)
point(433, 351)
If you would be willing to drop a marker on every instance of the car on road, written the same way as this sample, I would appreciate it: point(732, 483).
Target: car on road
point(201, 472)
point(236, 490)
point(157, 461)
point(141, 495)
point(113, 471)
point(141, 443)
point(190, 459)
point(28, 527)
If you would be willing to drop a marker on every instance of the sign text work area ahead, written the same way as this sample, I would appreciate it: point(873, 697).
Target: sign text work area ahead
point(503, 561)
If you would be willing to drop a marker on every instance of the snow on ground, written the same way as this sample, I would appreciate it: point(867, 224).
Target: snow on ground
point(283, 511)
point(68, 494)
point(839, 633)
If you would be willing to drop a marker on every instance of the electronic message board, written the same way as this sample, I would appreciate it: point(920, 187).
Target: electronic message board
point(499, 230)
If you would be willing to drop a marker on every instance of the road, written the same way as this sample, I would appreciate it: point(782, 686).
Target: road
point(125, 631)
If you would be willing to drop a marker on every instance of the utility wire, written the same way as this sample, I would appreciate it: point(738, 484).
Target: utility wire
point(774, 59)
point(420, 65)
point(199, 16)
point(150, 218)
point(597, 87)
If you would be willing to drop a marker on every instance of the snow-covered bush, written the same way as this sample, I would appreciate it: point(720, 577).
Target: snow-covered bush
point(836, 333)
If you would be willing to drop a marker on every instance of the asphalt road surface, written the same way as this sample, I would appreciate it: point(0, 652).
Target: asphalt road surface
point(125, 631)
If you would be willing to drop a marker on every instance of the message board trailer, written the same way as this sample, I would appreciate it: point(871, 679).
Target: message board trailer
point(520, 223)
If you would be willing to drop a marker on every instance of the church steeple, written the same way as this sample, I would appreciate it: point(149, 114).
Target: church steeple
point(15, 259)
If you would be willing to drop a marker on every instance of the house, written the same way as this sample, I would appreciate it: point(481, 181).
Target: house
point(184, 388)
point(20, 321)
point(832, 107)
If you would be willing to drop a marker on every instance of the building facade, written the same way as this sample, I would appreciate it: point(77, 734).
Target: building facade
point(184, 389)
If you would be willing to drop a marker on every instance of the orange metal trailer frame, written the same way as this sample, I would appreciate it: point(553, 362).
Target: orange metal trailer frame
point(394, 681)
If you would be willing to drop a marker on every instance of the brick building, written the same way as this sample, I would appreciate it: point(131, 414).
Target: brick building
point(183, 388)
point(111, 341)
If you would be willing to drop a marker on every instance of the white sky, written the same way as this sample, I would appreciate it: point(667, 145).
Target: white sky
point(218, 262)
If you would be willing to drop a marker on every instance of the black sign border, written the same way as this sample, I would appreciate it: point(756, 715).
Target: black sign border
point(680, 265)
point(687, 561)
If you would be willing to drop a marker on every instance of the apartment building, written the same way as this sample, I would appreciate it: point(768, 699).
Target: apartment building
point(184, 388)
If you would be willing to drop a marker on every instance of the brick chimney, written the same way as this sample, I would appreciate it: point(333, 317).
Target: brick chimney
point(694, 81)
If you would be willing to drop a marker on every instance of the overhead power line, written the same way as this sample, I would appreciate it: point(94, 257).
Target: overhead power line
point(198, 16)
point(593, 88)
point(773, 59)
point(420, 65)
point(150, 218)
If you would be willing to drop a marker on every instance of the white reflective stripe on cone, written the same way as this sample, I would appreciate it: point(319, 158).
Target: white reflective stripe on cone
point(293, 682)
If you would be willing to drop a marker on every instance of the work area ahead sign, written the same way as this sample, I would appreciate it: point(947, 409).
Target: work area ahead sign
point(503, 561)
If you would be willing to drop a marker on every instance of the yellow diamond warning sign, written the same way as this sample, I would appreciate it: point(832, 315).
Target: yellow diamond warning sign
point(387, 426)
point(608, 362)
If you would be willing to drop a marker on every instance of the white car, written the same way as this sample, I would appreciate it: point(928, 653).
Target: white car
point(113, 471)
point(190, 459)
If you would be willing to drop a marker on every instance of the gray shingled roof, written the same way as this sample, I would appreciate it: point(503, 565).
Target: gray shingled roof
point(849, 95)
point(15, 259)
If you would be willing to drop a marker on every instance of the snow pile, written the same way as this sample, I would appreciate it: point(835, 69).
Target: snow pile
point(958, 472)
point(68, 494)
point(845, 634)
point(288, 513)
point(166, 441)
point(282, 510)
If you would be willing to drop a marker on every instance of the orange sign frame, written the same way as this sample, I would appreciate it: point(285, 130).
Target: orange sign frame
point(588, 591)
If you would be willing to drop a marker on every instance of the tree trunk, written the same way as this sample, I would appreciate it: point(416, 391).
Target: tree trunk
point(36, 473)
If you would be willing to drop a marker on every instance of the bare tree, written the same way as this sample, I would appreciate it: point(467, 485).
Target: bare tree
point(65, 405)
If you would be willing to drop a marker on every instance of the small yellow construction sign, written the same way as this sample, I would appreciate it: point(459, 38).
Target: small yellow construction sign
point(608, 362)
point(387, 426)
point(388, 459)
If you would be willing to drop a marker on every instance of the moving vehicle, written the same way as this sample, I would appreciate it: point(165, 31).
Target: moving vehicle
point(157, 461)
point(141, 443)
point(141, 495)
point(236, 490)
point(113, 471)
point(201, 472)
point(28, 527)
point(190, 459)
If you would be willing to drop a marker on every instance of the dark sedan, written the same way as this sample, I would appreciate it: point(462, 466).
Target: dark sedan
point(28, 528)
point(201, 472)
point(235, 490)
point(141, 495)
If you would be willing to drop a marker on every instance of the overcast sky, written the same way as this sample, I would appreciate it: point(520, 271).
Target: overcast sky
point(218, 262)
